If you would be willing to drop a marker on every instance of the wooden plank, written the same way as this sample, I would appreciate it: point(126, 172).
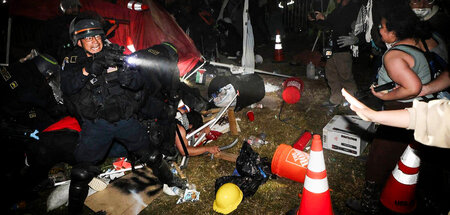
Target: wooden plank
point(209, 118)
point(127, 195)
point(232, 122)
point(210, 111)
point(226, 156)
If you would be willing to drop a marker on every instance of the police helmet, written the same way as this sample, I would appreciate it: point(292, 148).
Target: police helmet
point(84, 28)
point(47, 65)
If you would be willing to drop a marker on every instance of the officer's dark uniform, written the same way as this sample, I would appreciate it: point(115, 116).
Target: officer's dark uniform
point(164, 90)
point(28, 105)
point(105, 107)
point(106, 104)
point(27, 96)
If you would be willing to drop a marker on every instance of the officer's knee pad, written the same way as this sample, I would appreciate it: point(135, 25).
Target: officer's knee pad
point(151, 158)
point(154, 158)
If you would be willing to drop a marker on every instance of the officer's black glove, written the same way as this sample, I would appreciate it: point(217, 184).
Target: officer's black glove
point(113, 55)
point(97, 66)
point(126, 76)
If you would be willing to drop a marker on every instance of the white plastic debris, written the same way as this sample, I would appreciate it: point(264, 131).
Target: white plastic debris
point(172, 191)
point(271, 88)
point(259, 59)
point(225, 96)
point(189, 196)
point(60, 197)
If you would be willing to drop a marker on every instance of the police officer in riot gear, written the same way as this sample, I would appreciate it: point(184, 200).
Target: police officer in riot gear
point(105, 96)
point(28, 98)
point(164, 90)
point(28, 107)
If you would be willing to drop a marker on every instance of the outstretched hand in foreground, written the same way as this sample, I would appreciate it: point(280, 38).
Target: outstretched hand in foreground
point(395, 118)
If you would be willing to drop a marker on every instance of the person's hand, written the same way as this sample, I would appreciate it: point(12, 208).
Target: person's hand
point(212, 149)
point(349, 40)
point(380, 94)
point(113, 55)
point(425, 90)
point(361, 109)
point(319, 15)
point(96, 67)
point(207, 130)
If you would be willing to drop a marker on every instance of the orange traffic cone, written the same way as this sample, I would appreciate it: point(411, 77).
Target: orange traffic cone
point(316, 195)
point(130, 45)
point(137, 6)
point(399, 192)
point(278, 55)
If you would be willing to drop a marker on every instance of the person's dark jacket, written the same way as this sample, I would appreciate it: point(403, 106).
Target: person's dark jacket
point(340, 20)
point(99, 97)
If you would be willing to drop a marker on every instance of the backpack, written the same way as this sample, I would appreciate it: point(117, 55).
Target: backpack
point(435, 62)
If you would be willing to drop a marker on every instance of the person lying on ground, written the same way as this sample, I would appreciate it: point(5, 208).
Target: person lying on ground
point(195, 121)
point(429, 120)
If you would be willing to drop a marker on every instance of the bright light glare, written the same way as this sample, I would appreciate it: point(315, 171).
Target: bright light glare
point(132, 60)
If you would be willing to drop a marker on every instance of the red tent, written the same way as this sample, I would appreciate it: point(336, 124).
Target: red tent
point(145, 28)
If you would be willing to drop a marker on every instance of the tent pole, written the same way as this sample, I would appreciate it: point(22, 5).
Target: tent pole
point(235, 68)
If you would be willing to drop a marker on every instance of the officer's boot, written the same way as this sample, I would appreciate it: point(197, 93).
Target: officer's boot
point(162, 171)
point(370, 199)
point(79, 188)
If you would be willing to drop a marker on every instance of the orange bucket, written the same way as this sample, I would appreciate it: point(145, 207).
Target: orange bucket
point(291, 163)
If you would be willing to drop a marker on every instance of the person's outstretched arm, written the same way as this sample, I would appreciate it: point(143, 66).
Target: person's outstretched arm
point(193, 151)
point(428, 120)
point(395, 118)
point(440, 83)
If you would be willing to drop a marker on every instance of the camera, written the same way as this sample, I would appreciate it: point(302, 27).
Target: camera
point(328, 48)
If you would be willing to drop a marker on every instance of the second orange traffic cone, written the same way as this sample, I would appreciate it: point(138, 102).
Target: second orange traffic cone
point(399, 192)
point(130, 45)
point(278, 54)
point(316, 194)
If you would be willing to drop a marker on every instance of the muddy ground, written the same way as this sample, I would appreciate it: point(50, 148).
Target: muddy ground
point(277, 196)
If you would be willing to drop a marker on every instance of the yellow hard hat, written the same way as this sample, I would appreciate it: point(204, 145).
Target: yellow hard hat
point(228, 197)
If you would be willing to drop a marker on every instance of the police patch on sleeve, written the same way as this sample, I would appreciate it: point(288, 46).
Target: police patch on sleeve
point(5, 74)
point(73, 59)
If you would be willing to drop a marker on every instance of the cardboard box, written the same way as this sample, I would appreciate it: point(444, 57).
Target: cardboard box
point(347, 134)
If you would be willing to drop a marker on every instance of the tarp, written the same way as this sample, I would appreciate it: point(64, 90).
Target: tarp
point(248, 55)
point(146, 28)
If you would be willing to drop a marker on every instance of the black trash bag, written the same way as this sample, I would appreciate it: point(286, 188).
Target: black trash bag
point(251, 88)
point(253, 171)
point(248, 185)
point(250, 164)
